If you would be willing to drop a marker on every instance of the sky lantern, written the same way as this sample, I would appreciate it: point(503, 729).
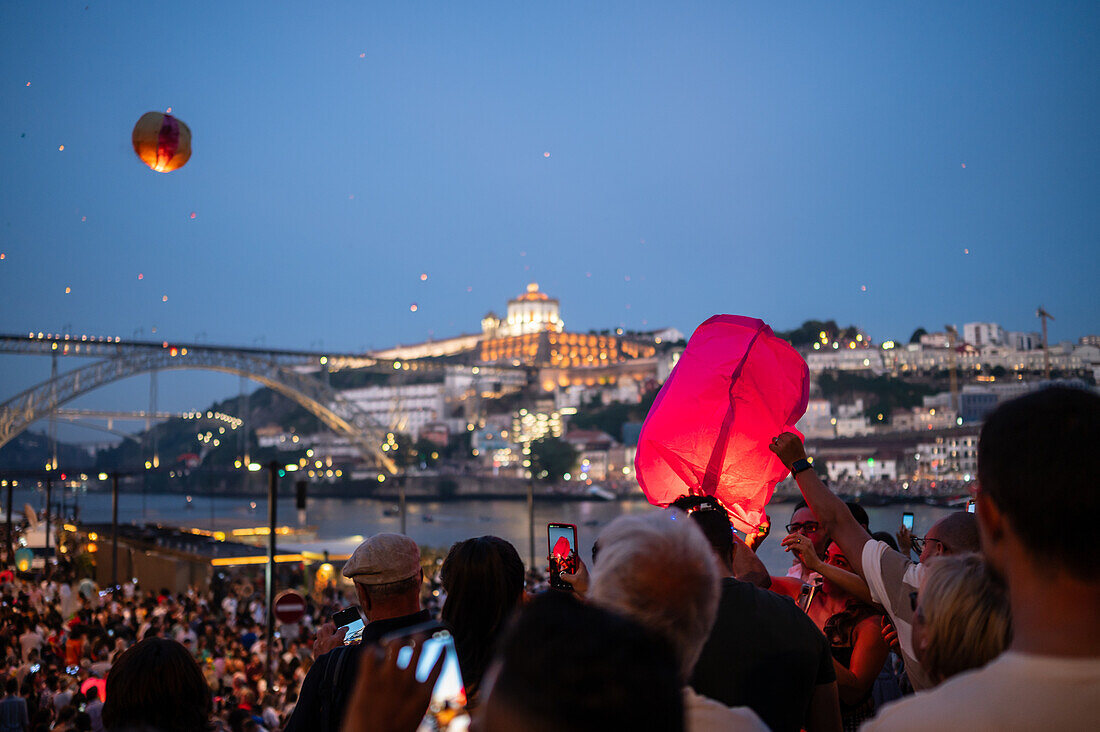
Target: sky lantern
point(162, 141)
point(734, 388)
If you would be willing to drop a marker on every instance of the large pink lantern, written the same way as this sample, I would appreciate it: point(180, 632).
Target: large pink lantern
point(735, 387)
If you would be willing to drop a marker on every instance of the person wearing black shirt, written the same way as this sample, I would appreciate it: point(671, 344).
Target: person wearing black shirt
point(763, 652)
point(386, 571)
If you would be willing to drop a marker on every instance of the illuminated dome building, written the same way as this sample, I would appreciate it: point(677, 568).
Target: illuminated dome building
point(531, 312)
point(533, 335)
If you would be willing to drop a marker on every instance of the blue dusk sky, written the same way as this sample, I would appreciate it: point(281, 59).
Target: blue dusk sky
point(892, 165)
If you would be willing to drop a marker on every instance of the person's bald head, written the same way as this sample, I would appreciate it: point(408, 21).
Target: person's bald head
point(955, 533)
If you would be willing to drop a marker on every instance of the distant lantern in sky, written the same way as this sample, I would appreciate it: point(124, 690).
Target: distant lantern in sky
point(162, 141)
point(141, 276)
point(193, 214)
point(164, 298)
point(413, 308)
point(863, 288)
point(546, 154)
point(423, 276)
point(964, 165)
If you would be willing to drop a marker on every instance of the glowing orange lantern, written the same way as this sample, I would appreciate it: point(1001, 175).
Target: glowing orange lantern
point(162, 141)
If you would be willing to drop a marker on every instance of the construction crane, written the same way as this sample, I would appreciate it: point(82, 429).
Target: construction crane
point(1044, 316)
point(953, 366)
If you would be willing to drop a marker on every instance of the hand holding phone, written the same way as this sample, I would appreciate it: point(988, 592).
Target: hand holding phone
point(907, 520)
point(561, 541)
point(350, 619)
point(421, 670)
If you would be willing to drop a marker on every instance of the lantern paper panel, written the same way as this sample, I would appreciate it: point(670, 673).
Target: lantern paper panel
point(735, 387)
point(162, 141)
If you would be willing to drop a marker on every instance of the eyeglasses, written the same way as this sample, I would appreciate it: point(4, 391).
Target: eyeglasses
point(809, 527)
point(919, 541)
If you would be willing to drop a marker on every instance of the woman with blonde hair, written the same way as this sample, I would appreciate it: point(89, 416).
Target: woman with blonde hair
point(962, 617)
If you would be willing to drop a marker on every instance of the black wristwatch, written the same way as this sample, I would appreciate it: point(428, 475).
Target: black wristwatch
point(799, 465)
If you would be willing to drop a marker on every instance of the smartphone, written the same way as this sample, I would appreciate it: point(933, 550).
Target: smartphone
point(72, 670)
point(35, 668)
point(970, 506)
point(350, 618)
point(907, 520)
point(561, 543)
point(447, 708)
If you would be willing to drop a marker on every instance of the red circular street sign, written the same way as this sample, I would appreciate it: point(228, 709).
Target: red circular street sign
point(290, 606)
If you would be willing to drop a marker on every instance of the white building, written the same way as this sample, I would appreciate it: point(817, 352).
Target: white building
point(983, 334)
point(402, 407)
point(817, 421)
point(863, 466)
point(531, 312)
point(935, 340)
point(1022, 341)
point(850, 357)
point(954, 457)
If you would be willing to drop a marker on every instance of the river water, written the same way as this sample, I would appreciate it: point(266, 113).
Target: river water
point(341, 523)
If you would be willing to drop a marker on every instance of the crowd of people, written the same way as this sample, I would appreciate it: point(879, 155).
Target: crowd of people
point(988, 621)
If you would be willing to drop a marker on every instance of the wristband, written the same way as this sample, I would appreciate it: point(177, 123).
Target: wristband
point(799, 465)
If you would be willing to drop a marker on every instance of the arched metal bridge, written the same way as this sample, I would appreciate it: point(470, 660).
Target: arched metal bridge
point(287, 372)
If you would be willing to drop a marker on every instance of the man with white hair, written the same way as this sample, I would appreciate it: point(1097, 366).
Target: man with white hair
point(659, 571)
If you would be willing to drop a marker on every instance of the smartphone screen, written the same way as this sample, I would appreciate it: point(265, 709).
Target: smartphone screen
point(970, 506)
point(907, 520)
point(350, 618)
point(447, 709)
point(561, 540)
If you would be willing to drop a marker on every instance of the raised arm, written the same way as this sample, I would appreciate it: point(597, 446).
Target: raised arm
point(747, 567)
point(829, 509)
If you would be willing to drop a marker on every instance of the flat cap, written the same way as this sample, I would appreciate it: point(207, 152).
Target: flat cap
point(383, 558)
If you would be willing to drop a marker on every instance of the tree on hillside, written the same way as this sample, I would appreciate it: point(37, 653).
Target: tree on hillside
point(915, 338)
point(810, 332)
point(552, 458)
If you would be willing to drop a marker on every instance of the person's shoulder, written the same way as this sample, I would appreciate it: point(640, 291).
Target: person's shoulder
point(703, 713)
point(1015, 691)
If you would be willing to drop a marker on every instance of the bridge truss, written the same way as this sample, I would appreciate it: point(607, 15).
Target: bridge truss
point(287, 372)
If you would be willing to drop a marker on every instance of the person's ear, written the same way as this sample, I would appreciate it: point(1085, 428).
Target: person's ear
point(991, 529)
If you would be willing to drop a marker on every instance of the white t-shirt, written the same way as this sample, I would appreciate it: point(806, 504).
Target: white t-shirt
point(892, 578)
point(30, 641)
point(702, 714)
point(1016, 691)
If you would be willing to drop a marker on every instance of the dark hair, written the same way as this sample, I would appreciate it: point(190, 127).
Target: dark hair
point(886, 538)
point(483, 578)
point(1033, 464)
point(11, 685)
point(156, 683)
point(710, 516)
point(565, 664)
point(860, 513)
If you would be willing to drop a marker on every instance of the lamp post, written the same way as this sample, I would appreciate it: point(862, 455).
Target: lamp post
point(49, 486)
point(531, 520)
point(269, 576)
point(114, 529)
